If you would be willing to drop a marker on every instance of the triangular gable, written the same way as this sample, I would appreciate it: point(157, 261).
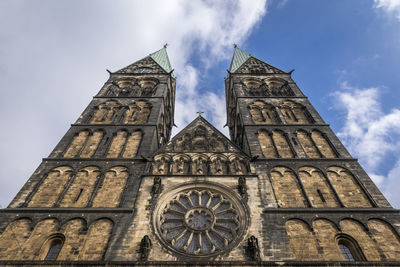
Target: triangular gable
point(255, 65)
point(200, 137)
point(145, 65)
point(243, 62)
point(157, 62)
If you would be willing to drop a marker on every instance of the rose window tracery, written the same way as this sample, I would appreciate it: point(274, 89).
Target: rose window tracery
point(200, 221)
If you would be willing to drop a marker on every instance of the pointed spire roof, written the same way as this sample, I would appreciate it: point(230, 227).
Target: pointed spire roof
point(240, 57)
point(161, 57)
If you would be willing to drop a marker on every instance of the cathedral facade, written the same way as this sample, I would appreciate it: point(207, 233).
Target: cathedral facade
point(117, 190)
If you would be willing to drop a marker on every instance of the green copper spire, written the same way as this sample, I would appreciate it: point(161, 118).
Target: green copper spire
point(239, 57)
point(161, 57)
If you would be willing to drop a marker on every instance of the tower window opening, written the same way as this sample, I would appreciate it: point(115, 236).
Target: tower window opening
point(350, 249)
point(55, 245)
point(321, 196)
point(79, 195)
point(346, 252)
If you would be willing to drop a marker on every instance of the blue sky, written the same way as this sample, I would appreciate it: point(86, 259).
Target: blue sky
point(346, 55)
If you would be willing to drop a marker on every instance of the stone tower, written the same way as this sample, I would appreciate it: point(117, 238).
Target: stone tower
point(117, 190)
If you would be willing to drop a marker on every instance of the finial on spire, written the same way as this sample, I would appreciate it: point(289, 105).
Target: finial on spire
point(165, 45)
point(234, 45)
point(200, 112)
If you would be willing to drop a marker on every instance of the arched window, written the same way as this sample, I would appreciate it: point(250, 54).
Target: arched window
point(346, 252)
point(350, 249)
point(53, 248)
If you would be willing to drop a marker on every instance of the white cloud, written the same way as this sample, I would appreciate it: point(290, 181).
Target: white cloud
point(211, 27)
point(370, 134)
point(390, 6)
point(392, 184)
point(54, 55)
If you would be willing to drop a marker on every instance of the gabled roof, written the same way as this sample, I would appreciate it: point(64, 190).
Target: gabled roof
point(156, 62)
point(200, 136)
point(241, 58)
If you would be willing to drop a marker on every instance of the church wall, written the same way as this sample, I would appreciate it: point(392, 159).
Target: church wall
point(110, 191)
point(276, 244)
point(385, 237)
point(162, 82)
point(70, 186)
point(141, 223)
point(84, 238)
point(245, 114)
point(287, 189)
point(77, 143)
point(83, 124)
point(251, 134)
point(10, 241)
point(317, 188)
point(321, 229)
point(74, 231)
point(51, 187)
point(80, 191)
point(365, 199)
point(300, 234)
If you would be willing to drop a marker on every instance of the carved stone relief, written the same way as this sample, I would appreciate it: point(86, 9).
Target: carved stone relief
point(263, 113)
point(237, 165)
point(200, 164)
point(254, 65)
point(199, 141)
point(295, 113)
point(106, 112)
point(137, 113)
point(132, 87)
point(146, 65)
point(218, 164)
point(161, 164)
point(271, 86)
point(180, 164)
point(278, 87)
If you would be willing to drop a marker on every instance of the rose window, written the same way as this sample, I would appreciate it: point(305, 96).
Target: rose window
point(199, 220)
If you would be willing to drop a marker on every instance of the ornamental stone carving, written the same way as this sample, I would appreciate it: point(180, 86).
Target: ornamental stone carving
point(271, 86)
point(199, 141)
point(200, 220)
point(132, 87)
